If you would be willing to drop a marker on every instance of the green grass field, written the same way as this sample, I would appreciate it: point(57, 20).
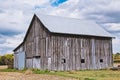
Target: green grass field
point(92, 75)
point(85, 74)
point(79, 75)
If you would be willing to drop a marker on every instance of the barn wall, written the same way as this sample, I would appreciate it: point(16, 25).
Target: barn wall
point(19, 58)
point(20, 49)
point(103, 51)
point(16, 61)
point(66, 53)
point(35, 37)
point(35, 44)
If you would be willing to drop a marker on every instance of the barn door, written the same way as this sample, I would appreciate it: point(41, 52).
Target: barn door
point(36, 62)
point(29, 63)
point(49, 63)
point(21, 60)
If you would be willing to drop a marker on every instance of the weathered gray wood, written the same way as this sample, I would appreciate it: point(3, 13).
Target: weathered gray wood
point(93, 57)
point(29, 63)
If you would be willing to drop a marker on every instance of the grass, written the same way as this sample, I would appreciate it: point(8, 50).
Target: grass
point(12, 70)
point(8, 70)
point(85, 74)
point(80, 75)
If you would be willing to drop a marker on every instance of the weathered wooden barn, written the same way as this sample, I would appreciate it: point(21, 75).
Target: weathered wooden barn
point(58, 43)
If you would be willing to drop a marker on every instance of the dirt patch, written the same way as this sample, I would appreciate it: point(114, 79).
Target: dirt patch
point(22, 76)
point(116, 64)
point(3, 66)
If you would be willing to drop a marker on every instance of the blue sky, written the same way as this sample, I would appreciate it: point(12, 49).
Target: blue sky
point(57, 2)
point(15, 17)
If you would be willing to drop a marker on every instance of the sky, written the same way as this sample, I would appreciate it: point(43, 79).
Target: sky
point(15, 17)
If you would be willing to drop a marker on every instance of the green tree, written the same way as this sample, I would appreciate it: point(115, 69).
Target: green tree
point(116, 57)
point(8, 59)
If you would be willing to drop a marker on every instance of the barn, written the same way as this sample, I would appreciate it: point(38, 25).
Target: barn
point(63, 44)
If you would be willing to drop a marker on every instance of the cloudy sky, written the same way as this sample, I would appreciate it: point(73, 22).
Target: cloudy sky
point(15, 17)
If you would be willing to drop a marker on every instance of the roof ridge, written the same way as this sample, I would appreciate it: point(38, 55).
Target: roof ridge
point(64, 17)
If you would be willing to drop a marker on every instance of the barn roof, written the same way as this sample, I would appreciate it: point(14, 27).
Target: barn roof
point(72, 26)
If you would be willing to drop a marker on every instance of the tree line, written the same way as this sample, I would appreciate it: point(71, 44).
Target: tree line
point(7, 59)
point(116, 58)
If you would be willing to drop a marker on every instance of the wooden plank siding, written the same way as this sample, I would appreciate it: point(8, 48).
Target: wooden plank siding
point(74, 49)
point(35, 43)
point(65, 52)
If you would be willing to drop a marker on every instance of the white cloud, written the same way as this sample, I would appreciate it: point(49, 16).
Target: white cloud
point(113, 26)
point(17, 14)
point(33, 3)
point(13, 20)
point(10, 43)
point(116, 45)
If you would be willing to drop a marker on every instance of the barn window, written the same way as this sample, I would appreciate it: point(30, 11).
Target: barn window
point(36, 56)
point(82, 60)
point(101, 60)
point(63, 60)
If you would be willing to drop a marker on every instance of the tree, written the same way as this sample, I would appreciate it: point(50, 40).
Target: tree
point(116, 57)
point(8, 59)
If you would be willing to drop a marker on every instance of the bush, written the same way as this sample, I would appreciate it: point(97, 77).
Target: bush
point(7, 59)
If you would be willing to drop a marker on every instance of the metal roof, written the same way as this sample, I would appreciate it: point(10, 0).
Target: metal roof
point(72, 26)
